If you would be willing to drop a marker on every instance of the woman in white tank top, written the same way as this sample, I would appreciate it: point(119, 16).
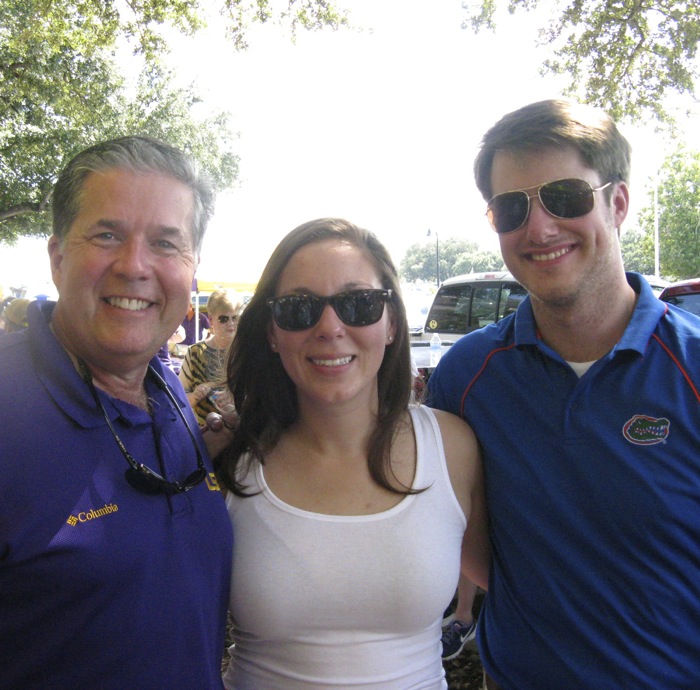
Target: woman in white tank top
point(352, 509)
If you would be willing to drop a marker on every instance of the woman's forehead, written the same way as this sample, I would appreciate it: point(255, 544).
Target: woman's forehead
point(337, 262)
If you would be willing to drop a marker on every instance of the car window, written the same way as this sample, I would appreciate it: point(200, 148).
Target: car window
point(511, 297)
point(484, 306)
point(690, 302)
point(464, 307)
point(450, 310)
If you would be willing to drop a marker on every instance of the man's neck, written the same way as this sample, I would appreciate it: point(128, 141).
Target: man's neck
point(126, 385)
point(585, 332)
point(129, 388)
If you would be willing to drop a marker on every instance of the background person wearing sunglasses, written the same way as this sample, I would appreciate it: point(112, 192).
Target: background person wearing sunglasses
point(115, 545)
point(587, 406)
point(349, 506)
point(203, 371)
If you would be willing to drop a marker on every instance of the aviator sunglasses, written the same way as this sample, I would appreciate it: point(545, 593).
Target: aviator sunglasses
point(224, 318)
point(569, 198)
point(354, 308)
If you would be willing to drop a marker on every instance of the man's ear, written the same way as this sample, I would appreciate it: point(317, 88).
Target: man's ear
point(620, 203)
point(55, 256)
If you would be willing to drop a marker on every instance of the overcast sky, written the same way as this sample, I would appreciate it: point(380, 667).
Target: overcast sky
point(380, 127)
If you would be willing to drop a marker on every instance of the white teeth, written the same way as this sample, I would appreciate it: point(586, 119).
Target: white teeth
point(130, 304)
point(332, 362)
point(550, 256)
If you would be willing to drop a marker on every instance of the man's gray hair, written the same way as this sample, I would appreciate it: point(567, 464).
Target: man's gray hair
point(136, 154)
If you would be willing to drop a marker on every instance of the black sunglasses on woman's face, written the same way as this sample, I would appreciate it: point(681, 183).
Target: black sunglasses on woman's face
point(354, 308)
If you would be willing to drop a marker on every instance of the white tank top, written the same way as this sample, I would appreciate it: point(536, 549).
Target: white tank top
point(331, 601)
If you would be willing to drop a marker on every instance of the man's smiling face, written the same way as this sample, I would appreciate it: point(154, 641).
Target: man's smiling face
point(124, 270)
point(560, 261)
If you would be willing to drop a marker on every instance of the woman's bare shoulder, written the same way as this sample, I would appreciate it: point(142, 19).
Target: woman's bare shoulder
point(453, 426)
point(462, 451)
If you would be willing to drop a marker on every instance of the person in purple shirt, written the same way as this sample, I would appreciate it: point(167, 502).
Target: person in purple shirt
point(115, 544)
point(194, 334)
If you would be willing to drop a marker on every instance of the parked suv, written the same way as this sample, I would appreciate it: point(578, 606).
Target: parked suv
point(465, 303)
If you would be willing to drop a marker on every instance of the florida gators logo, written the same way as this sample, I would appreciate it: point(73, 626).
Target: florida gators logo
point(646, 431)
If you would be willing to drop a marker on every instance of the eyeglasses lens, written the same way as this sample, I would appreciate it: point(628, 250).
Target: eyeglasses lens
point(296, 312)
point(507, 212)
point(143, 481)
point(359, 308)
point(569, 198)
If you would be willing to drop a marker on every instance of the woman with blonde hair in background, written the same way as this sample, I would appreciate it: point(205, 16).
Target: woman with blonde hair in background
point(203, 371)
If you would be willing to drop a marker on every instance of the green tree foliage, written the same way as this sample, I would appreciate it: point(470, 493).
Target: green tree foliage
point(624, 56)
point(61, 88)
point(298, 14)
point(456, 258)
point(638, 251)
point(678, 194)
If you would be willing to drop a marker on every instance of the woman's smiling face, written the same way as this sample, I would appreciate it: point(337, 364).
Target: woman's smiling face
point(332, 362)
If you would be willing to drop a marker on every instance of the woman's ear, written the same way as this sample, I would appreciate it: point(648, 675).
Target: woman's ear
point(391, 328)
point(271, 338)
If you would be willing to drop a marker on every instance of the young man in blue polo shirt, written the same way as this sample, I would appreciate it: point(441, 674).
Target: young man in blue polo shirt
point(115, 544)
point(587, 405)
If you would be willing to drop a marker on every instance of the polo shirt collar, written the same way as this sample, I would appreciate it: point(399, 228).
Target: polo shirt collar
point(62, 381)
point(646, 316)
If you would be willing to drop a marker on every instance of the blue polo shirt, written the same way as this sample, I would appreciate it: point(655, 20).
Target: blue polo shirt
point(593, 489)
point(102, 586)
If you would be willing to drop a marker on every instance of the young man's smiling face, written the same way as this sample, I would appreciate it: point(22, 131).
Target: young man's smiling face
point(559, 260)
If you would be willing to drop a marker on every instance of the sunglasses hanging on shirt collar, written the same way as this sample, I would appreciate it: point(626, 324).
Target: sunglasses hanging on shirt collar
point(139, 475)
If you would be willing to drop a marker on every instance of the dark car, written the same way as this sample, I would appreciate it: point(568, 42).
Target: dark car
point(684, 294)
point(466, 303)
point(461, 305)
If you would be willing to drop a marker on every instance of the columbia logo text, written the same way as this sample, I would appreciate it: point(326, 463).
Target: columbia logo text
point(92, 514)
